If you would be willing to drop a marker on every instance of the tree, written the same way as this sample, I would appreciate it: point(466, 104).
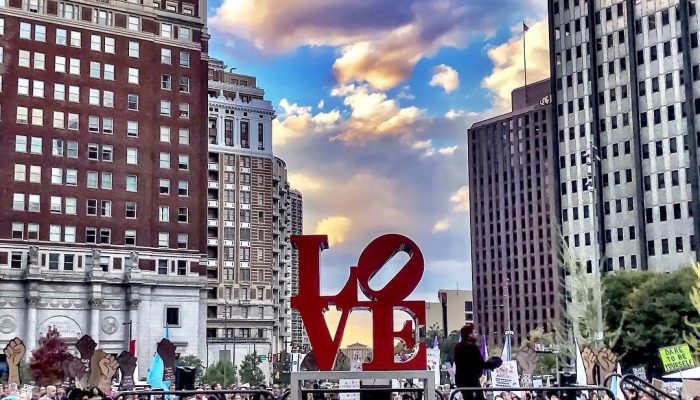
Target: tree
point(446, 345)
point(693, 337)
point(654, 316)
point(251, 372)
point(45, 365)
point(193, 362)
point(223, 372)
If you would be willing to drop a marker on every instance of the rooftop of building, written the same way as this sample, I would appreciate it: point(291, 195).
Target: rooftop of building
point(523, 99)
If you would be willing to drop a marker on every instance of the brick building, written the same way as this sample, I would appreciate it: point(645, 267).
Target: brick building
point(103, 174)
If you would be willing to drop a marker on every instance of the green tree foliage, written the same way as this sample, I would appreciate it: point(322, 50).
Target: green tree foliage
point(251, 372)
point(446, 345)
point(651, 309)
point(223, 372)
point(693, 337)
point(193, 362)
point(45, 365)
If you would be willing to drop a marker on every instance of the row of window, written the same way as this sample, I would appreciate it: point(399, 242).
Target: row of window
point(37, 32)
point(653, 245)
point(38, 61)
point(68, 234)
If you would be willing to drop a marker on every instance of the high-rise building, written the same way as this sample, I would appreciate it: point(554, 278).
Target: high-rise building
point(513, 237)
point(456, 308)
point(299, 340)
point(248, 223)
point(625, 92)
point(102, 188)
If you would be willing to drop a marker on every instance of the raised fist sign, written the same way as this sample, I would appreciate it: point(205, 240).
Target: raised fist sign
point(607, 360)
point(108, 366)
point(86, 346)
point(73, 369)
point(14, 352)
point(95, 372)
point(166, 351)
point(127, 366)
point(589, 361)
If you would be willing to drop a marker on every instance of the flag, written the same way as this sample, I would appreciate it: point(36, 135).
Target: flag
point(484, 354)
point(525, 27)
point(506, 353)
point(435, 342)
point(615, 386)
point(157, 369)
point(580, 368)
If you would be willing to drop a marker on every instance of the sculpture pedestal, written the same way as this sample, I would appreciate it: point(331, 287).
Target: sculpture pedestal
point(426, 381)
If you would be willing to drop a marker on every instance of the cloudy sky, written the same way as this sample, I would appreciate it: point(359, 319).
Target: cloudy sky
point(374, 98)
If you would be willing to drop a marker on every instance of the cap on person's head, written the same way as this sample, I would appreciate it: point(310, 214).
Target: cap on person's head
point(467, 330)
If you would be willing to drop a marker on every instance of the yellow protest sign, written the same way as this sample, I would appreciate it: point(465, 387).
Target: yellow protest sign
point(675, 358)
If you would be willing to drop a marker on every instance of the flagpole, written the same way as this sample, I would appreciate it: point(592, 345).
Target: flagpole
point(524, 59)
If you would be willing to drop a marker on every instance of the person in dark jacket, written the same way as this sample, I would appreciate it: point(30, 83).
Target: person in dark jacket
point(469, 364)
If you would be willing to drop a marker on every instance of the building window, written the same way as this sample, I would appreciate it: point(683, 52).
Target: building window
point(261, 137)
point(22, 115)
point(16, 260)
point(56, 204)
point(132, 129)
point(18, 202)
point(69, 234)
point(20, 172)
point(183, 188)
point(91, 207)
point(133, 102)
point(56, 176)
point(132, 156)
point(182, 239)
point(184, 110)
point(165, 108)
point(72, 175)
point(133, 23)
point(91, 235)
point(55, 233)
point(35, 174)
point(182, 215)
point(163, 214)
point(184, 34)
point(95, 42)
point(54, 260)
point(134, 50)
point(68, 262)
point(20, 144)
point(109, 72)
point(163, 239)
point(17, 230)
point(133, 76)
point(105, 236)
point(36, 145)
point(184, 59)
point(245, 135)
point(165, 135)
point(74, 66)
point(172, 316)
point(25, 30)
point(166, 31)
point(181, 267)
point(75, 39)
point(34, 203)
point(106, 208)
point(131, 183)
point(71, 205)
point(183, 162)
point(162, 267)
point(166, 56)
point(130, 209)
point(110, 45)
point(164, 160)
point(164, 186)
point(130, 237)
point(184, 84)
point(184, 136)
point(166, 81)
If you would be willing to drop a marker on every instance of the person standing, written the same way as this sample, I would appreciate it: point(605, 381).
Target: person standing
point(469, 364)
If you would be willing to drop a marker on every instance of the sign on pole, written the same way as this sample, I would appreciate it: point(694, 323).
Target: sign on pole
point(675, 358)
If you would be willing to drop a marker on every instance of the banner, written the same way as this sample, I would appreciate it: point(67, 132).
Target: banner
point(349, 384)
point(675, 358)
point(506, 375)
point(433, 363)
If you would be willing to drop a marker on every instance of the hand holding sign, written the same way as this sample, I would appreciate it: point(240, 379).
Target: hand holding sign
point(14, 352)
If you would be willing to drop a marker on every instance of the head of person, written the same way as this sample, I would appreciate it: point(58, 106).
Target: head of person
point(51, 391)
point(217, 386)
point(554, 397)
point(468, 332)
point(12, 388)
point(61, 391)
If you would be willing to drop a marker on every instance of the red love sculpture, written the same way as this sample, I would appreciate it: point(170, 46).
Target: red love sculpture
point(382, 303)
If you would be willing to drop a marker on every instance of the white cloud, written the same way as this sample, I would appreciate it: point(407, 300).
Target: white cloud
point(422, 144)
point(321, 103)
point(336, 227)
point(297, 121)
point(460, 200)
point(293, 109)
point(448, 151)
point(454, 114)
point(445, 77)
point(441, 225)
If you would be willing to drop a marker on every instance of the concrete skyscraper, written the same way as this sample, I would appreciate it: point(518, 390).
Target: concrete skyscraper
point(625, 90)
point(511, 188)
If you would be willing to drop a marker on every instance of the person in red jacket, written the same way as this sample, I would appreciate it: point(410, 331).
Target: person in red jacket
point(469, 364)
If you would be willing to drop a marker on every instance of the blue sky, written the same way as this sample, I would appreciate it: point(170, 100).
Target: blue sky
point(374, 99)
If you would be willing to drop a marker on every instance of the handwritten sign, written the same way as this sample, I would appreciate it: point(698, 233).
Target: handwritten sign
point(675, 358)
